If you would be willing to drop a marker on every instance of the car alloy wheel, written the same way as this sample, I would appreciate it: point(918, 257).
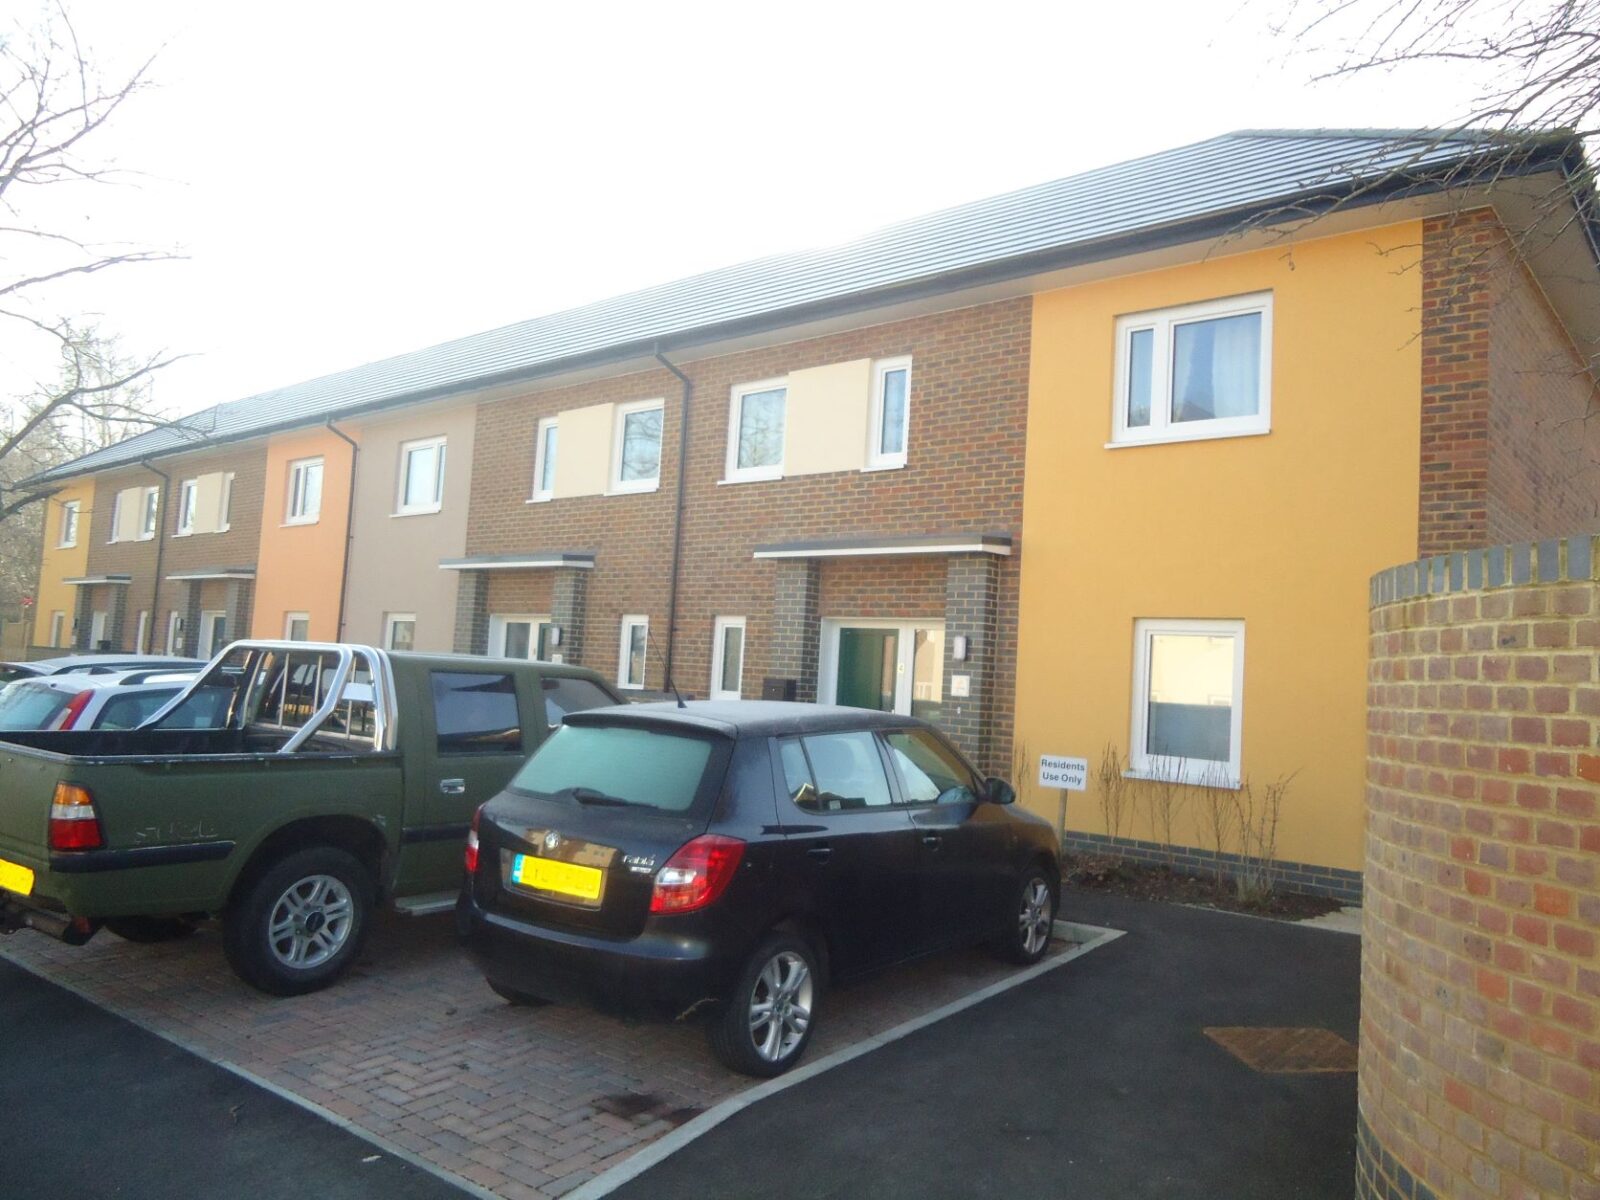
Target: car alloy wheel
point(780, 1006)
point(1036, 917)
point(310, 922)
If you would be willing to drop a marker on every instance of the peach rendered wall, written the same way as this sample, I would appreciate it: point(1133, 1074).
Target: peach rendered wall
point(300, 567)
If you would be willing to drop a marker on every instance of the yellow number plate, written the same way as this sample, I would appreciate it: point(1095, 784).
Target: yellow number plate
point(15, 879)
point(565, 879)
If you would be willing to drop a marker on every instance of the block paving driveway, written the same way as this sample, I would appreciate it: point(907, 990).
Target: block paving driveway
point(413, 1047)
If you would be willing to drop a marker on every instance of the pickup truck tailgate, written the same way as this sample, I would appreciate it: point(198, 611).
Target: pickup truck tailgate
point(27, 784)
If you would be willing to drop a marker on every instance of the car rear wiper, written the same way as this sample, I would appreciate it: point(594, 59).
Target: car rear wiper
point(585, 795)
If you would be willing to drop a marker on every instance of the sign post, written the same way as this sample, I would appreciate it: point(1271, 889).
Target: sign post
point(1068, 774)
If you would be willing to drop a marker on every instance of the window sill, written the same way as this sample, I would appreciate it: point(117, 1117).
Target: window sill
point(183, 533)
point(1167, 439)
point(750, 479)
point(317, 520)
point(1227, 783)
point(66, 545)
point(633, 491)
point(886, 466)
point(539, 499)
point(419, 512)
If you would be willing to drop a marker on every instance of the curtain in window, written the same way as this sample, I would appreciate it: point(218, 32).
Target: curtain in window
point(1216, 368)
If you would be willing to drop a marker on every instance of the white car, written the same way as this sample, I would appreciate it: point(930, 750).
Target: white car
point(121, 700)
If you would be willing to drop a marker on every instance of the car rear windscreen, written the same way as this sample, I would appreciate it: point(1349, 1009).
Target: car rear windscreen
point(612, 764)
point(24, 706)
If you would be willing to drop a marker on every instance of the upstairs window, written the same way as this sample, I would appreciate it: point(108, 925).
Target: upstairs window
point(149, 513)
point(544, 459)
point(186, 499)
point(422, 476)
point(305, 491)
point(636, 458)
point(400, 631)
point(1198, 371)
point(69, 524)
point(756, 419)
point(225, 504)
point(632, 651)
point(891, 413)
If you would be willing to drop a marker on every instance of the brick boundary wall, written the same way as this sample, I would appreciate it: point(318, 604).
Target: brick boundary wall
point(1337, 884)
point(1480, 982)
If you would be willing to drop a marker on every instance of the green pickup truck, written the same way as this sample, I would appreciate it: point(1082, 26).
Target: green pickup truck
point(287, 790)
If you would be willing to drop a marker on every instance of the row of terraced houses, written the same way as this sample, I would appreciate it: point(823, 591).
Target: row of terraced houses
point(1103, 462)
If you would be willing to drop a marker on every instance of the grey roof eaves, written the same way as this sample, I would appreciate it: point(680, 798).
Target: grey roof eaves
point(1115, 188)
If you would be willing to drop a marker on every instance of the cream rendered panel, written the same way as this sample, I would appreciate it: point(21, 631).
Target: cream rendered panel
point(826, 417)
point(129, 517)
point(583, 459)
point(208, 502)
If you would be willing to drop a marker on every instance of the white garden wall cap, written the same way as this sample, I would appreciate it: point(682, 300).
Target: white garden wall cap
point(1572, 559)
point(1209, 189)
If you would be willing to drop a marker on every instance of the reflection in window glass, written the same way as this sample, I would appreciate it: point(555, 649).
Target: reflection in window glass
point(1141, 348)
point(928, 770)
point(473, 712)
point(892, 433)
point(761, 428)
point(797, 773)
point(1216, 368)
point(1191, 697)
point(640, 767)
point(848, 771)
point(563, 696)
point(927, 674)
point(641, 446)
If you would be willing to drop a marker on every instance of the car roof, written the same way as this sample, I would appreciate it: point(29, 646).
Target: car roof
point(75, 682)
point(77, 662)
point(745, 718)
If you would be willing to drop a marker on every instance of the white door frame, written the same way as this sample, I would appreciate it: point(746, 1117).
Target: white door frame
point(497, 631)
point(98, 622)
point(719, 629)
point(905, 664)
point(204, 639)
point(175, 632)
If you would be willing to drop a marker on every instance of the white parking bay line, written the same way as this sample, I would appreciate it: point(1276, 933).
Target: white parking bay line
point(1084, 937)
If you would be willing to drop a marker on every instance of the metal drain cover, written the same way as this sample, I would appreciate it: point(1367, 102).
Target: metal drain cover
point(1277, 1051)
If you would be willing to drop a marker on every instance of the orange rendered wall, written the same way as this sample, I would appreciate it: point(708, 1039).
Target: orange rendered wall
point(300, 568)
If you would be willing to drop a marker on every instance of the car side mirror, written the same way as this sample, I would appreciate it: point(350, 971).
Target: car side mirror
point(998, 791)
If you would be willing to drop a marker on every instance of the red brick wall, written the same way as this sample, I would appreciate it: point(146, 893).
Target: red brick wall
point(968, 414)
point(1506, 452)
point(1480, 1028)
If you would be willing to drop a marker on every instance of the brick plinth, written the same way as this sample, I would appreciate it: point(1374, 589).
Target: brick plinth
point(1480, 988)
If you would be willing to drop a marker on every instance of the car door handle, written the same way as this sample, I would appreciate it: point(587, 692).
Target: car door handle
point(931, 839)
point(819, 853)
point(453, 787)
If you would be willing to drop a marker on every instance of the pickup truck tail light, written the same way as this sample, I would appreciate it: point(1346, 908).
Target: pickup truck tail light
point(472, 844)
point(697, 874)
point(74, 824)
point(74, 709)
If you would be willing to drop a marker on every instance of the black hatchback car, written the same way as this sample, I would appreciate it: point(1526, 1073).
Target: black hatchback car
point(735, 857)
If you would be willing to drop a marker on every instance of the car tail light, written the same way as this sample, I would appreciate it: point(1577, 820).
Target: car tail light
point(697, 874)
point(472, 844)
point(74, 709)
point(74, 825)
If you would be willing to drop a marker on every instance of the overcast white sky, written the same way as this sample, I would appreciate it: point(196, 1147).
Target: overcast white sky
point(352, 180)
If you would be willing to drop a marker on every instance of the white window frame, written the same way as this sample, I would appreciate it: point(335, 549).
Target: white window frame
point(188, 490)
point(149, 517)
point(1164, 767)
point(116, 518)
point(58, 626)
point(497, 631)
point(225, 504)
point(624, 641)
point(295, 512)
point(732, 471)
point(288, 625)
point(71, 514)
point(547, 425)
point(174, 632)
point(143, 632)
point(1161, 322)
point(437, 504)
point(720, 629)
point(619, 485)
point(877, 460)
point(389, 621)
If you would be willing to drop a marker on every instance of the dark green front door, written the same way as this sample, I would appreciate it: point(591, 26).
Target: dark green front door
point(867, 662)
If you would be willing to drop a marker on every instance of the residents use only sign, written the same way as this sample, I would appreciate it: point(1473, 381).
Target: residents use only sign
point(1071, 774)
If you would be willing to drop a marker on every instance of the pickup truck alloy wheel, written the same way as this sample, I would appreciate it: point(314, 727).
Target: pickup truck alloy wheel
point(300, 922)
point(311, 922)
point(769, 1020)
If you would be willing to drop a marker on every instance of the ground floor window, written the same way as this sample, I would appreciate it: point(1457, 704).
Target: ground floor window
point(174, 633)
point(141, 639)
point(1187, 700)
point(520, 636)
point(58, 626)
point(297, 627)
point(631, 652)
point(727, 658)
point(892, 666)
point(400, 631)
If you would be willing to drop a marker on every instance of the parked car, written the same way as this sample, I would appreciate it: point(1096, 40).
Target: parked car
point(738, 857)
point(123, 700)
point(288, 789)
point(95, 664)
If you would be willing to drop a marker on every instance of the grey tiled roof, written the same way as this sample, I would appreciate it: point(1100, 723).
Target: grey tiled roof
point(1209, 186)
